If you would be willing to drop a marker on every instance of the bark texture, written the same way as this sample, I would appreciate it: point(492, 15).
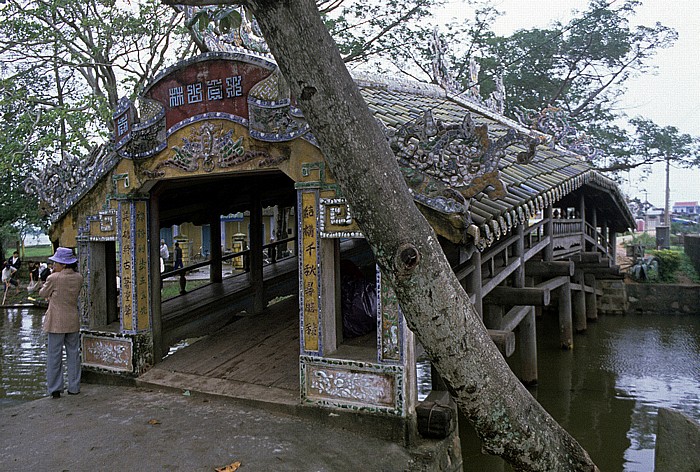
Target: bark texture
point(507, 418)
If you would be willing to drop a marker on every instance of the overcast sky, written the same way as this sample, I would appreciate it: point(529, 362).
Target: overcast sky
point(671, 96)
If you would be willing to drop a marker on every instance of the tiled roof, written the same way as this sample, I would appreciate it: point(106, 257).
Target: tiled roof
point(552, 174)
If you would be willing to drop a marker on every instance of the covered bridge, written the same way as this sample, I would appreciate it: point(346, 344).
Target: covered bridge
point(525, 223)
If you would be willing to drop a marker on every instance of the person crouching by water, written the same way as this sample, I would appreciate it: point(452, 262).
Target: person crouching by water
point(62, 322)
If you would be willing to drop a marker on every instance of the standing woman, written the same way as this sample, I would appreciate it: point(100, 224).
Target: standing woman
point(62, 322)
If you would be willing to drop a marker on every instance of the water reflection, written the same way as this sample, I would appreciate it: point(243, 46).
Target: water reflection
point(22, 355)
point(607, 391)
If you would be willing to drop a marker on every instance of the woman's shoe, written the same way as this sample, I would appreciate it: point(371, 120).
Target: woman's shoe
point(73, 393)
point(56, 394)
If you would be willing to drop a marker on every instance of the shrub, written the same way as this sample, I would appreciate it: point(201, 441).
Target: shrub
point(669, 263)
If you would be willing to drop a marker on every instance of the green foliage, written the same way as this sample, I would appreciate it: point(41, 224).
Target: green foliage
point(684, 228)
point(686, 267)
point(366, 30)
point(669, 263)
point(644, 239)
point(59, 84)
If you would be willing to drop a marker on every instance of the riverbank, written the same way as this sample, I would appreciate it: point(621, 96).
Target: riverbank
point(134, 428)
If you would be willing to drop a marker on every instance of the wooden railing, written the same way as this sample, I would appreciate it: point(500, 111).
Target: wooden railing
point(567, 227)
point(270, 256)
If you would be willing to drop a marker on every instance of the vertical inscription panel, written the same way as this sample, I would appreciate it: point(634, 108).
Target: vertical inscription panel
point(141, 266)
point(108, 353)
point(309, 270)
point(126, 266)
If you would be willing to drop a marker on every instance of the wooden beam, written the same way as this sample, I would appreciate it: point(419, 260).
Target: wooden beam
point(515, 315)
point(602, 272)
point(545, 244)
point(549, 268)
point(518, 296)
point(551, 284)
point(594, 257)
point(500, 276)
point(504, 341)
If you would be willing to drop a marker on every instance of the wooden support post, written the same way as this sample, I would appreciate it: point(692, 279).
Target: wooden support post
point(604, 233)
point(578, 304)
point(566, 334)
point(591, 298)
point(594, 223)
point(582, 215)
point(527, 342)
point(493, 316)
point(256, 255)
point(527, 332)
point(154, 248)
point(215, 268)
point(473, 285)
point(548, 232)
point(613, 244)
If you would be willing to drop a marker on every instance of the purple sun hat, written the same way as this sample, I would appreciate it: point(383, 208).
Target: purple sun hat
point(64, 256)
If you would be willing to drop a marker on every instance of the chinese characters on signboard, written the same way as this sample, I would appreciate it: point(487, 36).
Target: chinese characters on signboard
point(309, 251)
point(210, 90)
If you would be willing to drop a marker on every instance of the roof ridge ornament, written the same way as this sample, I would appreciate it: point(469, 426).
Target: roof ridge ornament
point(555, 122)
point(435, 155)
point(225, 28)
point(60, 184)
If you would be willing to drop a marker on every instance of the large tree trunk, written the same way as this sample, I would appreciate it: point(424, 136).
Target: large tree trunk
point(507, 418)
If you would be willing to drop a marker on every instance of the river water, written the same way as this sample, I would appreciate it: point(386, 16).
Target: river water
point(606, 392)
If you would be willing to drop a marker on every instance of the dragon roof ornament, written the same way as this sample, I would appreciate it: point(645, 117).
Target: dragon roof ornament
point(60, 184)
point(446, 164)
point(555, 122)
point(246, 36)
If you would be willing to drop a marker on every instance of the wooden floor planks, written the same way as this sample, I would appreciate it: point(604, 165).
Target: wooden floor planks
point(261, 349)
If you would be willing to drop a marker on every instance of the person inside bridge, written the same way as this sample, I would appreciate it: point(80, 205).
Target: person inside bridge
point(178, 257)
point(62, 322)
point(164, 255)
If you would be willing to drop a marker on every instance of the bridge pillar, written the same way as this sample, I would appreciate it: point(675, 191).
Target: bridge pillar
point(527, 331)
point(591, 300)
point(566, 335)
point(256, 255)
point(578, 299)
point(215, 252)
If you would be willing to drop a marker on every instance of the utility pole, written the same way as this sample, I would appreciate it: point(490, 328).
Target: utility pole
point(667, 209)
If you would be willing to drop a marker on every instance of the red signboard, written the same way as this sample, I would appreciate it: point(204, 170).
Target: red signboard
point(210, 86)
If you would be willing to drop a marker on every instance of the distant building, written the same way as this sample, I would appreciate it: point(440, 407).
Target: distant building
point(686, 208)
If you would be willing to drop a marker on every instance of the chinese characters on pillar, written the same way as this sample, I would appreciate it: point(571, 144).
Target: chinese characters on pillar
point(309, 261)
point(134, 266)
point(141, 265)
point(127, 267)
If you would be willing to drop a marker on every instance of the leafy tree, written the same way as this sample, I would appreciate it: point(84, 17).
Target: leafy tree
point(656, 144)
point(63, 66)
point(434, 303)
point(581, 67)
